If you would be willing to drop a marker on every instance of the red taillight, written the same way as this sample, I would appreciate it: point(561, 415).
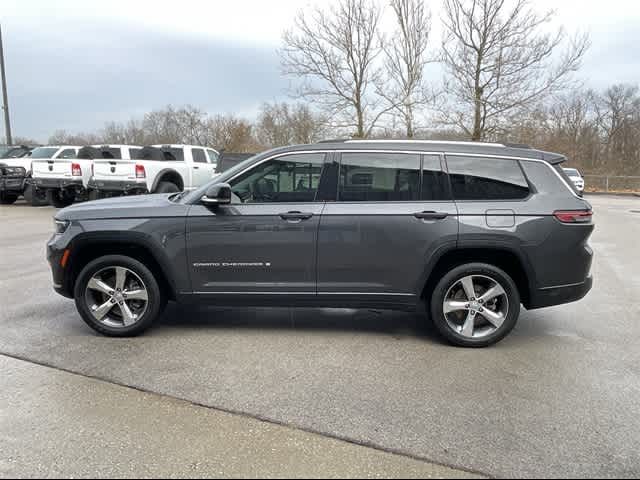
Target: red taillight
point(76, 171)
point(140, 173)
point(573, 216)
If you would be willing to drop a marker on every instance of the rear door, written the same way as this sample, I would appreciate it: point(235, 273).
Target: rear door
point(393, 211)
point(264, 242)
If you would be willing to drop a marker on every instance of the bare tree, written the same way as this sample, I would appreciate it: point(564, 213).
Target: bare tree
point(405, 61)
point(284, 124)
point(501, 58)
point(232, 134)
point(334, 52)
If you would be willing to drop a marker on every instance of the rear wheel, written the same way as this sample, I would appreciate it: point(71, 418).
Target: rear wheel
point(35, 196)
point(7, 198)
point(475, 305)
point(118, 296)
point(167, 187)
point(60, 198)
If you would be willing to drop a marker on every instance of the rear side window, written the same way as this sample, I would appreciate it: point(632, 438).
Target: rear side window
point(379, 177)
point(486, 178)
point(173, 154)
point(434, 180)
point(198, 155)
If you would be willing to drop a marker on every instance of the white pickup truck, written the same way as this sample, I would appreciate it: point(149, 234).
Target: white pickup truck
point(156, 169)
point(67, 174)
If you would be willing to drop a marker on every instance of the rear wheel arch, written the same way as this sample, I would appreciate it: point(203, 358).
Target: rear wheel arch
point(92, 246)
point(505, 258)
point(168, 175)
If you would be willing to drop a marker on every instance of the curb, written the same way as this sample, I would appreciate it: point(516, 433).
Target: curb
point(613, 194)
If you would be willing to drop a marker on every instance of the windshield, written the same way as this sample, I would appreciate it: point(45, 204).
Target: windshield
point(223, 177)
point(44, 152)
point(572, 172)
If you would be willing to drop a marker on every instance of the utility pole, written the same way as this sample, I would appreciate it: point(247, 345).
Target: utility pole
point(5, 99)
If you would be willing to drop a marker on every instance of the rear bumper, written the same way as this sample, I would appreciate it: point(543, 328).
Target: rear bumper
point(547, 297)
point(123, 186)
point(58, 183)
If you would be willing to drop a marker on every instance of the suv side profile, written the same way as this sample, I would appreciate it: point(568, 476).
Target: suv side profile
point(472, 230)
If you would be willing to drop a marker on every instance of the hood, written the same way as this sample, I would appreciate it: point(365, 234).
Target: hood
point(139, 206)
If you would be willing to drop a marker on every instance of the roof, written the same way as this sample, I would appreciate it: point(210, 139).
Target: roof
point(434, 146)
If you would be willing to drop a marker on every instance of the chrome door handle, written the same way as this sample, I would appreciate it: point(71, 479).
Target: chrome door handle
point(431, 215)
point(296, 215)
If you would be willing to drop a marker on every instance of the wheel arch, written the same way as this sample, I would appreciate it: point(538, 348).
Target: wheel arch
point(168, 175)
point(501, 256)
point(89, 246)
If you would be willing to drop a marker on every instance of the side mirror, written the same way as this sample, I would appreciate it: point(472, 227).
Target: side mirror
point(218, 194)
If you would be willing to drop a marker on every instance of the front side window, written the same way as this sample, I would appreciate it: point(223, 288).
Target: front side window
point(379, 177)
point(486, 178)
point(68, 153)
point(291, 178)
point(198, 155)
point(213, 156)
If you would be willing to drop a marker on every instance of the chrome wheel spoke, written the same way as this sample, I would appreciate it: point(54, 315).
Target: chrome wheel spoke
point(469, 325)
point(492, 293)
point(467, 285)
point(494, 318)
point(128, 317)
point(121, 278)
point(139, 294)
point(99, 311)
point(455, 306)
point(97, 284)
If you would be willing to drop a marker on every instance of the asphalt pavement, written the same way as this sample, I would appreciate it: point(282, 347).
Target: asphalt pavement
point(557, 398)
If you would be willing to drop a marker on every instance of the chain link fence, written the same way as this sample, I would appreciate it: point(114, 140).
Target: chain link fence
point(612, 183)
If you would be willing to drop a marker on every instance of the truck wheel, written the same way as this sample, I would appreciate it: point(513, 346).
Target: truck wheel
point(7, 198)
point(475, 305)
point(35, 197)
point(60, 198)
point(167, 187)
point(118, 296)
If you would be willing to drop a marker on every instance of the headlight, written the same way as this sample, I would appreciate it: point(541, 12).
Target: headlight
point(61, 225)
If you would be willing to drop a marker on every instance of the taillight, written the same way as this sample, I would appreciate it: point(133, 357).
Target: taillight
point(76, 171)
point(573, 216)
point(140, 173)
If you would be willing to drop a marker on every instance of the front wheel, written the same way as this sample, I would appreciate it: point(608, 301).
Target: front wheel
point(118, 296)
point(475, 305)
point(167, 187)
point(8, 198)
point(60, 198)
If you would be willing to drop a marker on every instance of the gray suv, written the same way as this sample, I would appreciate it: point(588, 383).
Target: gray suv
point(472, 230)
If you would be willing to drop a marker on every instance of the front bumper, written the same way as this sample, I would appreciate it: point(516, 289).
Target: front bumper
point(122, 186)
point(56, 247)
point(58, 183)
point(12, 184)
point(550, 296)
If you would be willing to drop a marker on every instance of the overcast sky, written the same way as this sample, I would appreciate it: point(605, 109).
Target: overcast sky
point(74, 64)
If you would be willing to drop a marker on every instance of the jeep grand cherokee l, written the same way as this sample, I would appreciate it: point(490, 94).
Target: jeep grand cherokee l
point(473, 230)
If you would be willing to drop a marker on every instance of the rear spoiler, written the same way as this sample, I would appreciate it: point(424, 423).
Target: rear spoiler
point(553, 158)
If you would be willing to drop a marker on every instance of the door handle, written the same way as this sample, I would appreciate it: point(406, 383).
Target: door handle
point(431, 215)
point(296, 215)
point(195, 167)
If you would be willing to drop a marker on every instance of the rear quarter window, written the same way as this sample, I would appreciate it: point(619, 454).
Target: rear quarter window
point(486, 178)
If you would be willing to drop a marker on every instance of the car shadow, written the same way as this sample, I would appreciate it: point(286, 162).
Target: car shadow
point(383, 322)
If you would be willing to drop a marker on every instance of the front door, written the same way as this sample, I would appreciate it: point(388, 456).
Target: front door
point(265, 241)
point(393, 211)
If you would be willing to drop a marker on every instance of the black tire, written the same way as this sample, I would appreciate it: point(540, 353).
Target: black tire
point(60, 198)
point(35, 197)
point(8, 198)
point(166, 187)
point(484, 273)
point(95, 195)
point(156, 301)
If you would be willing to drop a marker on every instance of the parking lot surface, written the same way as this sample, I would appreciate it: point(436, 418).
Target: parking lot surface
point(558, 397)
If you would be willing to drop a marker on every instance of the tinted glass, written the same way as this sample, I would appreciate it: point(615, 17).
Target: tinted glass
point(173, 154)
point(68, 153)
point(44, 152)
point(480, 178)
point(213, 156)
point(434, 180)
point(292, 178)
point(379, 177)
point(109, 152)
point(198, 155)
point(572, 172)
point(134, 153)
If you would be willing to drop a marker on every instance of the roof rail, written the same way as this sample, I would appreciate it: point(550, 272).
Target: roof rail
point(450, 142)
point(334, 140)
point(517, 145)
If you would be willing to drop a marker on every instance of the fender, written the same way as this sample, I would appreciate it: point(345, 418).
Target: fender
point(163, 172)
point(130, 238)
